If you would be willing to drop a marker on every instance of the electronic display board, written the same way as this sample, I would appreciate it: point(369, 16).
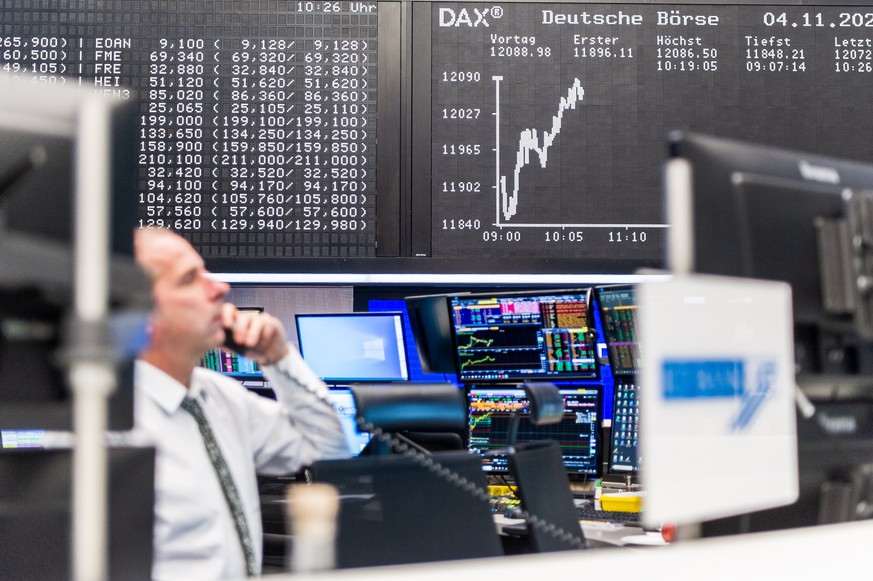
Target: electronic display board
point(443, 137)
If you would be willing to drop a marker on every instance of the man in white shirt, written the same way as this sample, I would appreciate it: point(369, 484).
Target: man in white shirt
point(201, 532)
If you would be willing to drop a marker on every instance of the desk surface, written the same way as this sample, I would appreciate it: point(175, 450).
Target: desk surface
point(601, 534)
point(819, 552)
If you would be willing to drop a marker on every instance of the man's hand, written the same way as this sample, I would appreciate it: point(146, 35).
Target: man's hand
point(261, 336)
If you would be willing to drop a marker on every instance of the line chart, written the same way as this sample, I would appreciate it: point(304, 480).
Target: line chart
point(529, 143)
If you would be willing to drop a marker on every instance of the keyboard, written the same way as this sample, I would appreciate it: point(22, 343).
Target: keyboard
point(593, 514)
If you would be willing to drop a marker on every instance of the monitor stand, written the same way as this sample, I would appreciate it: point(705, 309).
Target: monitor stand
point(625, 482)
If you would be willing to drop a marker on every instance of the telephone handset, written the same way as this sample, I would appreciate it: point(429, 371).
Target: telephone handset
point(229, 342)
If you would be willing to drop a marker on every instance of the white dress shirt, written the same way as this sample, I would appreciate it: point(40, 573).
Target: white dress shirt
point(195, 538)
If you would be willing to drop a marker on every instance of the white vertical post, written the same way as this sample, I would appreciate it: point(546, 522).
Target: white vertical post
point(92, 377)
point(680, 215)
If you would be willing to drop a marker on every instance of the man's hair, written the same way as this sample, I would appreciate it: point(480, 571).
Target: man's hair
point(141, 238)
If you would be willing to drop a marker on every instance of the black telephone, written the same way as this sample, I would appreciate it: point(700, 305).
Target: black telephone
point(230, 343)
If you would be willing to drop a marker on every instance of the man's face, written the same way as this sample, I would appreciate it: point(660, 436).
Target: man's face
point(187, 313)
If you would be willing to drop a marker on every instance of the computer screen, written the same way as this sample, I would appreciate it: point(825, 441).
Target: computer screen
point(578, 433)
point(617, 308)
point(523, 335)
point(344, 403)
point(230, 363)
point(353, 347)
point(624, 445)
point(22, 438)
point(434, 138)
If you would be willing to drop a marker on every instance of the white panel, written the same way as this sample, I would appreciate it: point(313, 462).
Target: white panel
point(718, 408)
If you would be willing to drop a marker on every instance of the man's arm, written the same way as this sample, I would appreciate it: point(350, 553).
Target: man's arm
point(305, 397)
point(315, 429)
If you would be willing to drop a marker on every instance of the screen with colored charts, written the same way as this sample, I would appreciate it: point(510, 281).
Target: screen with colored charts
point(524, 335)
point(618, 317)
point(578, 432)
point(13, 439)
point(618, 314)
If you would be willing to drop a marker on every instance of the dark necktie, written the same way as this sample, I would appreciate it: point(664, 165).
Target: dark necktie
point(227, 486)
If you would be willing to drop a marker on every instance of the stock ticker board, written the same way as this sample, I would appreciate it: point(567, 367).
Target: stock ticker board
point(257, 121)
point(539, 130)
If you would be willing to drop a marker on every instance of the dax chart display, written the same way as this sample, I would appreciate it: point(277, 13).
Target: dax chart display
point(549, 121)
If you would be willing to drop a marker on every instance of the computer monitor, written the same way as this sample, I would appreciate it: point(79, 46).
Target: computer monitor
point(546, 497)
point(624, 444)
point(41, 153)
point(771, 213)
point(617, 308)
point(578, 433)
point(230, 363)
point(14, 439)
point(344, 403)
point(500, 337)
point(354, 347)
point(431, 321)
point(419, 369)
point(835, 455)
point(776, 214)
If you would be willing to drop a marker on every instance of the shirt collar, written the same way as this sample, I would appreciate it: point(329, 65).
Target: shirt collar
point(161, 388)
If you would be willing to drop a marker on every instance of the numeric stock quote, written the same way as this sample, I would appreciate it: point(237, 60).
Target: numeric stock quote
point(449, 137)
